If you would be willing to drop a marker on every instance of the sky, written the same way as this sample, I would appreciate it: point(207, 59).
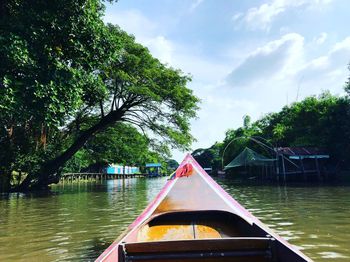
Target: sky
point(245, 57)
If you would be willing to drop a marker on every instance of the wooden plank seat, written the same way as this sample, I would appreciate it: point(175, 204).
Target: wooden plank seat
point(223, 249)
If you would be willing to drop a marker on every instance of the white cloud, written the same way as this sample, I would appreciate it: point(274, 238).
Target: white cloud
point(161, 48)
point(132, 21)
point(195, 4)
point(327, 70)
point(252, 77)
point(187, 58)
point(237, 16)
point(342, 45)
point(272, 59)
point(279, 72)
point(261, 17)
point(273, 75)
point(145, 32)
point(283, 63)
point(321, 38)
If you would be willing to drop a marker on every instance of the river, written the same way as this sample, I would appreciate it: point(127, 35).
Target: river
point(77, 221)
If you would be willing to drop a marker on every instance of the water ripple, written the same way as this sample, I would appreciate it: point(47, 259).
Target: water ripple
point(81, 219)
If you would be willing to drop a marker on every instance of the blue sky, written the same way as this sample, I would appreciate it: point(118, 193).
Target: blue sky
point(246, 57)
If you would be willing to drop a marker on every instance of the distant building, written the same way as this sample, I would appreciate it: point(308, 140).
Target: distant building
point(120, 169)
point(209, 170)
point(284, 164)
point(305, 161)
point(153, 169)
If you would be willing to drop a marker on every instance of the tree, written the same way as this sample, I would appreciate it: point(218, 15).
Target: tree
point(209, 157)
point(246, 121)
point(63, 67)
point(120, 143)
point(49, 52)
point(347, 83)
point(322, 121)
point(172, 164)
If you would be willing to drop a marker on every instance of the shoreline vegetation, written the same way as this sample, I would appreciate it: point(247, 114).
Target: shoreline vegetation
point(73, 90)
point(321, 122)
point(76, 93)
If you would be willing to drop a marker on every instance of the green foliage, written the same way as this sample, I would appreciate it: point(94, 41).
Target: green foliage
point(120, 143)
point(80, 161)
point(246, 121)
point(209, 157)
point(50, 51)
point(172, 164)
point(65, 77)
point(347, 84)
point(322, 121)
point(154, 96)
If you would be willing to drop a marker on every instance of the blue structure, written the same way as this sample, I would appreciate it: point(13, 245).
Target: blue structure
point(153, 169)
point(120, 170)
point(110, 170)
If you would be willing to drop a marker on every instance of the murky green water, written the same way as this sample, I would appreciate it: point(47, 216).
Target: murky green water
point(78, 221)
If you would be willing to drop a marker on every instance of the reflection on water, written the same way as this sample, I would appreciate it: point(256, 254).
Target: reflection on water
point(315, 219)
point(78, 221)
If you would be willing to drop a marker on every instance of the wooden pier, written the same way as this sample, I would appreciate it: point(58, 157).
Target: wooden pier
point(96, 176)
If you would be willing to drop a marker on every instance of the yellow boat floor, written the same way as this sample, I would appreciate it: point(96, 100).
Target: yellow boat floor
point(168, 232)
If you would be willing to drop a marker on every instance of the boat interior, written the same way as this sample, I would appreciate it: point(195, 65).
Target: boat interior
point(199, 236)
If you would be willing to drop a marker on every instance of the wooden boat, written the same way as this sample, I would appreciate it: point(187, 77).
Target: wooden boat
point(194, 219)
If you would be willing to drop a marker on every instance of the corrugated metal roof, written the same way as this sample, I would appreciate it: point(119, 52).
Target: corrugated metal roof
point(301, 151)
point(153, 165)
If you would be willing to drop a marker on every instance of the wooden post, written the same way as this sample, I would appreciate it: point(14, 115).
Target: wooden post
point(271, 171)
point(278, 167)
point(318, 168)
point(284, 169)
point(263, 172)
point(302, 167)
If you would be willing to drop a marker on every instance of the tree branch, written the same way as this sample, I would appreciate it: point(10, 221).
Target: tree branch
point(101, 108)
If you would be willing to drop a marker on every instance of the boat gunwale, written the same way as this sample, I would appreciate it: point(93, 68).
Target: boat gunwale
point(255, 220)
point(146, 214)
point(240, 211)
point(203, 240)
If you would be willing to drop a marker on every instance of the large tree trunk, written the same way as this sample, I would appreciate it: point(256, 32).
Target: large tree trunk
point(5, 181)
point(49, 172)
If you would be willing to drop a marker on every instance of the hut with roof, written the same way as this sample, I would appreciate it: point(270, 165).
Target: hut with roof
point(302, 162)
point(251, 164)
point(289, 164)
